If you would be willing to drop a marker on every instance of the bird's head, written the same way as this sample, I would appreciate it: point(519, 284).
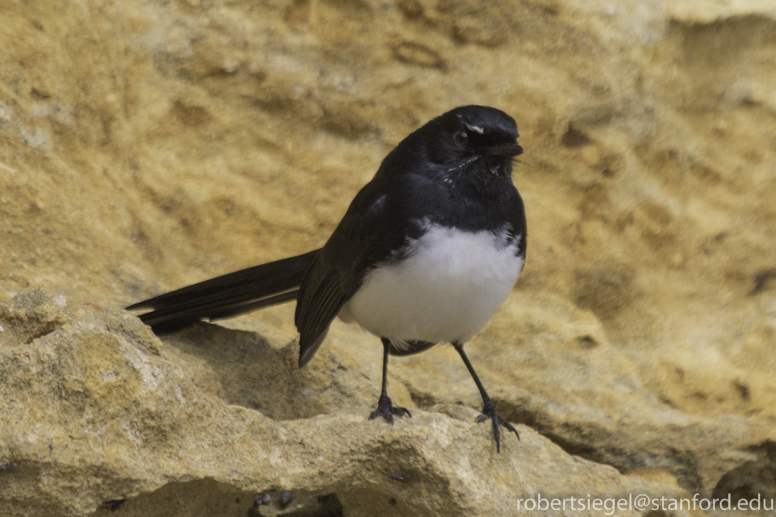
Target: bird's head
point(473, 144)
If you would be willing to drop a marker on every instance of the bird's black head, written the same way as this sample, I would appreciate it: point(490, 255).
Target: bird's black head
point(472, 144)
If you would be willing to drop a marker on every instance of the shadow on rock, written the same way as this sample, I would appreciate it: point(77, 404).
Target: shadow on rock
point(245, 369)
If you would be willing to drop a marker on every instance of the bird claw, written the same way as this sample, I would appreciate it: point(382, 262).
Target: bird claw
point(489, 412)
point(386, 409)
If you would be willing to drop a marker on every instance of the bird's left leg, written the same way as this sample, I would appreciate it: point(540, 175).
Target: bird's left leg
point(489, 410)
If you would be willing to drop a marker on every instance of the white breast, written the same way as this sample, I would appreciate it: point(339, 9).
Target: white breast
point(446, 291)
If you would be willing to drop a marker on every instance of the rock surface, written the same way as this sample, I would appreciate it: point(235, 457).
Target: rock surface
point(147, 145)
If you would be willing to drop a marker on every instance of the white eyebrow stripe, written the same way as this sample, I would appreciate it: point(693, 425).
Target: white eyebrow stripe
point(476, 129)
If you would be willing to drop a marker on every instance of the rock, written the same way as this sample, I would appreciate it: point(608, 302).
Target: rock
point(147, 145)
point(31, 315)
point(104, 424)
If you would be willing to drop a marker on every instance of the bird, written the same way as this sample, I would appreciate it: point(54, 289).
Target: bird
point(426, 253)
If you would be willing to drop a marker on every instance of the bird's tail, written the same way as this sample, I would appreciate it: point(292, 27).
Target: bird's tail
point(229, 295)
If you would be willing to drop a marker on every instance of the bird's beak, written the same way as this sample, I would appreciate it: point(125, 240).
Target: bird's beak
point(506, 150)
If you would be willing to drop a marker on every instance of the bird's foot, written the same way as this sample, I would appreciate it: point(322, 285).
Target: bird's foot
point(386, 409)
point(489, 412)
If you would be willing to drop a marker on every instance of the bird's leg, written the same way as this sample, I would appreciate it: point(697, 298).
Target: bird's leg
point(385, 408)
point(489, 410)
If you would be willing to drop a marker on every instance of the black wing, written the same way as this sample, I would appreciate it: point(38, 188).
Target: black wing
point(374, 226)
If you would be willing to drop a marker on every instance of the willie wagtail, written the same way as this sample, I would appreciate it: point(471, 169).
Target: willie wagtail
point(426, 253)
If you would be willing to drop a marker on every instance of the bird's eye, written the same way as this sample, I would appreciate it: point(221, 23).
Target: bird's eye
point(460, 137)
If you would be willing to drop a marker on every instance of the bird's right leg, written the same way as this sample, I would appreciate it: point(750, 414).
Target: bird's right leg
point(385, 408)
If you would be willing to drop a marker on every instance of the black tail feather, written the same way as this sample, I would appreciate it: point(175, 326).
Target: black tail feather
point(229, 295)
